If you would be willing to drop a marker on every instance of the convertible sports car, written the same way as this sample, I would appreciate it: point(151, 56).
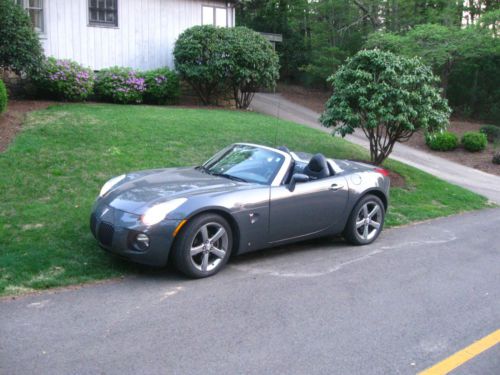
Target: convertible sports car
point(246, 197)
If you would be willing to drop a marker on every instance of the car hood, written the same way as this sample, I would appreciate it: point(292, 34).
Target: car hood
point(142, 190)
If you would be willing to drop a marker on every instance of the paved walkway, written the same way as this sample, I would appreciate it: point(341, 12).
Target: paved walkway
point(469, 178)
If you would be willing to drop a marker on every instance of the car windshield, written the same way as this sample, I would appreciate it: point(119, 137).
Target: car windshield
point(246, 163)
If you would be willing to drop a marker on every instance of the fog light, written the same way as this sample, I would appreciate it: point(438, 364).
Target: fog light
point(141, 241)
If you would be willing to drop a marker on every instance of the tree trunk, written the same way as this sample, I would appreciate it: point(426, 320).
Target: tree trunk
point(445, 77)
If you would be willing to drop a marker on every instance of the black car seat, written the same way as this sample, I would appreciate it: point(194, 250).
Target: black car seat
point(317, 167)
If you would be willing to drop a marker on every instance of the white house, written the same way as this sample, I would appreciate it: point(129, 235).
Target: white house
point(137, 33)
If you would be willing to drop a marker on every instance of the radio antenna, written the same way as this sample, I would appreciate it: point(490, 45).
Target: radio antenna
point(277, 117)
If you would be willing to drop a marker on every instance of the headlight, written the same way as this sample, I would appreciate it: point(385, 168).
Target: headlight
point(109, 185)
point(157, 213)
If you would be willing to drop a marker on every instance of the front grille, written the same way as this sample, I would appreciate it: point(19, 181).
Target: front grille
point(105, 234)
point(93, 223)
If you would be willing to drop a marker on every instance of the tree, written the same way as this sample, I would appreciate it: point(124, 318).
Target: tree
point(20, 49)
point(337, 30)
point(200, 59)
point(439, 46)
point(319, 35)
point(388, 97)
point(287, 17)
point(465, 59)
point(251, 64)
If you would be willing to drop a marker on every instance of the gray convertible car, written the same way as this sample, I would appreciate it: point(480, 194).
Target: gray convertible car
point(246, 197)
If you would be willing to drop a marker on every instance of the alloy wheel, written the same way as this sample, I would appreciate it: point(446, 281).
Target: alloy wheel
point(368, 220)
point(209, 246)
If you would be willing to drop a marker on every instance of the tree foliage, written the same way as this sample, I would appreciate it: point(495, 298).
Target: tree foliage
point(439, 46)
point(287, 17)
point(319, 35)
point(20, 49)
point(467, 60)
point(388, 97)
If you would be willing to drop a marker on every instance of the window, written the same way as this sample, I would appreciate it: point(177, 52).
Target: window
point(214, 16)
point(103, 12)
point(35, 11)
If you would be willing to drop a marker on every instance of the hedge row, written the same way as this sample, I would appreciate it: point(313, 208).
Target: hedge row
point(447, 141)
point(69, 81)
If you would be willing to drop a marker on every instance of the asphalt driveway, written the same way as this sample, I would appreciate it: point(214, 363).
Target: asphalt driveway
point(417, 295)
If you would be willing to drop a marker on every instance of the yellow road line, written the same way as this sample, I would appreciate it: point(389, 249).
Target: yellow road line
point(464, 355)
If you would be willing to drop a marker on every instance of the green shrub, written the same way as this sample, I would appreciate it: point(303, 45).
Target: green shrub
point(473, 141)
point(201, 59)
point(442, 141)
point(64, 80)
point(492, 132)
point(120, 85)
point(20, 48)
point(3, 97)
point(162, 86)
point(496, 158)
point(252, 64)
point(215, 60)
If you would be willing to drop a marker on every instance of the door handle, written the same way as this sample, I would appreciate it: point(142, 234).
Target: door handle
point(336, 187)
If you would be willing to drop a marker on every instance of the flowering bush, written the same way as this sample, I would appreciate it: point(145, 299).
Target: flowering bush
point(162, 86)
point(64, 80)
point(120, 85)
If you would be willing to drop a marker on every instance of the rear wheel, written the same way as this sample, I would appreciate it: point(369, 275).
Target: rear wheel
point(366, 221)
point(203, 246)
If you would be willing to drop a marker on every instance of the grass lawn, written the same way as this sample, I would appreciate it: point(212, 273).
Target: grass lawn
point(52, 172)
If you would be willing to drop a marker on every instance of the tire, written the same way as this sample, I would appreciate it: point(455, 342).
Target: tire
point(359, 230)
point(203, 246)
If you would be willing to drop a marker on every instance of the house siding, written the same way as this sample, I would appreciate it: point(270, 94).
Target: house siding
point(144, 39)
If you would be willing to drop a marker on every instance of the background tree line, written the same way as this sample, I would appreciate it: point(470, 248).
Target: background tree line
point(459, 39)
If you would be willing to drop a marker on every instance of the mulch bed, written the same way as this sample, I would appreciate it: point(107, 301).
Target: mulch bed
point(11, 121)
point(478, 160)
point(315, 99)
point(396, 179)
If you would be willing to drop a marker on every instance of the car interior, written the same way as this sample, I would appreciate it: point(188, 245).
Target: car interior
point(317, 167)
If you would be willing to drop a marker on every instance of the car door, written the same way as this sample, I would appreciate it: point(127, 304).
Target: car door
point(310, 208)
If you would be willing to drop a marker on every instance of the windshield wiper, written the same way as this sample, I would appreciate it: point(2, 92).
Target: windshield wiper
point(231, 177)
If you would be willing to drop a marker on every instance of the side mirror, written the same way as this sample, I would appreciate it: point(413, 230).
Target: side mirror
point(297, 177)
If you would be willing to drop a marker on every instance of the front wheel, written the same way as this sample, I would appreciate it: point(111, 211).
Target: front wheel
point(366, 221)
point(203, 246)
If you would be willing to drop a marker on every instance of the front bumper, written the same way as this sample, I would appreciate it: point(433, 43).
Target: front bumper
point(115, 231)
